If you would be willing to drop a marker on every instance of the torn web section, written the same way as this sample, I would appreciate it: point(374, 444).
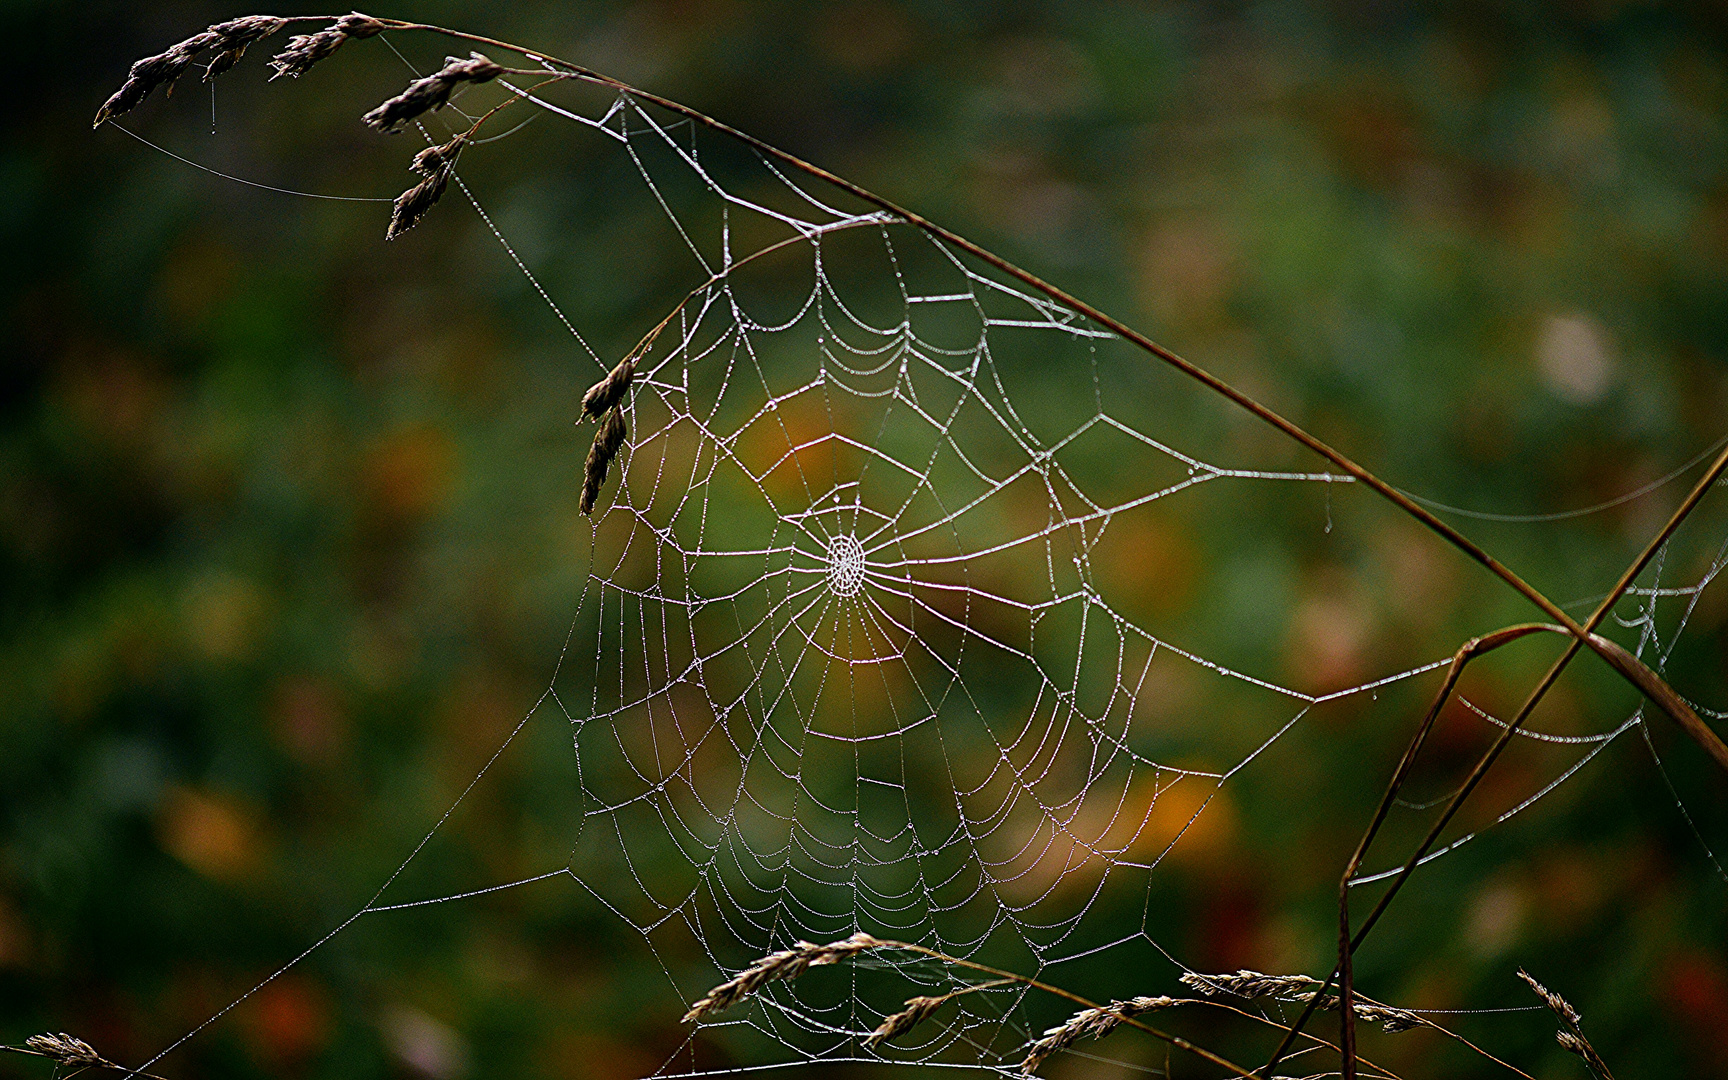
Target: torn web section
point(1583, 740)
point(1669, 614)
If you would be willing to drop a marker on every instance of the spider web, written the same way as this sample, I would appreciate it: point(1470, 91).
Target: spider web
point(863, 642)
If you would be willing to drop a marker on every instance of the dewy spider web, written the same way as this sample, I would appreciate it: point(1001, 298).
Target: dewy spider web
point(836, 541)
point(853, 651)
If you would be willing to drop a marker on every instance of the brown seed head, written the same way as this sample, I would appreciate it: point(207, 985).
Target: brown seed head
point(65, 1049)
point(917, 1010)
point(1561, 1007)
point(610, 390)
point(1391, 1020)
point(607, 442)
point(229, 39)
point(1089, 1024)
point(235, 35)
point(1571, 1033)
point(432, 92)
point(1249, 984)
point(357, 26)
point(437, 164)
point(153, 71)
point(411, 205)
point(785, 964)
point(304, 50)
point(435, 159)
point(1254, 984)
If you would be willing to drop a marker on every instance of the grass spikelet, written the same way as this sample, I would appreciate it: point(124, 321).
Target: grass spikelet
point(229, 39)
point(917, 1010)
point(67, 1050)
point(411, 205)
point(431, 93)
point(607, 442)
point(1249, 984)
point(1254, 984)
point(435, 159)
point(785, 964)
point(304, 50)
point(236, 35)
point(1571, 1033)
point(1089, 1024)
point(153, 71)
point(610, 390)
point(72, 1055)
point(436, 164)
point(1391, 1020)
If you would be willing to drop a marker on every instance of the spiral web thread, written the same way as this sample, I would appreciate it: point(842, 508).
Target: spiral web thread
point(856, 664)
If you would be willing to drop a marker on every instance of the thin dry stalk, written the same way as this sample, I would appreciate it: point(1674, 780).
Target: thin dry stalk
point(1571, 1033)
point(785, 964)
point(1581, 635)
point(1629, 666)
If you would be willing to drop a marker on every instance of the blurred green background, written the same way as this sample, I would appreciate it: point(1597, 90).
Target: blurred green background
point(289, 542)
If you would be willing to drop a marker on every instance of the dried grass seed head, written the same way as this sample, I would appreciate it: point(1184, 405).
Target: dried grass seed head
point(411, 205)
point(1089, 1024)
point(785, 964)
point(432, 92)
point(435, 159)
point(1561, 1007)
point(437, 164)
point(236, 35)
point(65, 1049)
point(1391, 1020)
point(356, 25)
point(917, 1010)
point(229, 39)
point(610, 391)
point(153, 71)
point(304, 50)
point(1249, 984)
point(607, 442)
point(1571, 1033)
point(1254, 984)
